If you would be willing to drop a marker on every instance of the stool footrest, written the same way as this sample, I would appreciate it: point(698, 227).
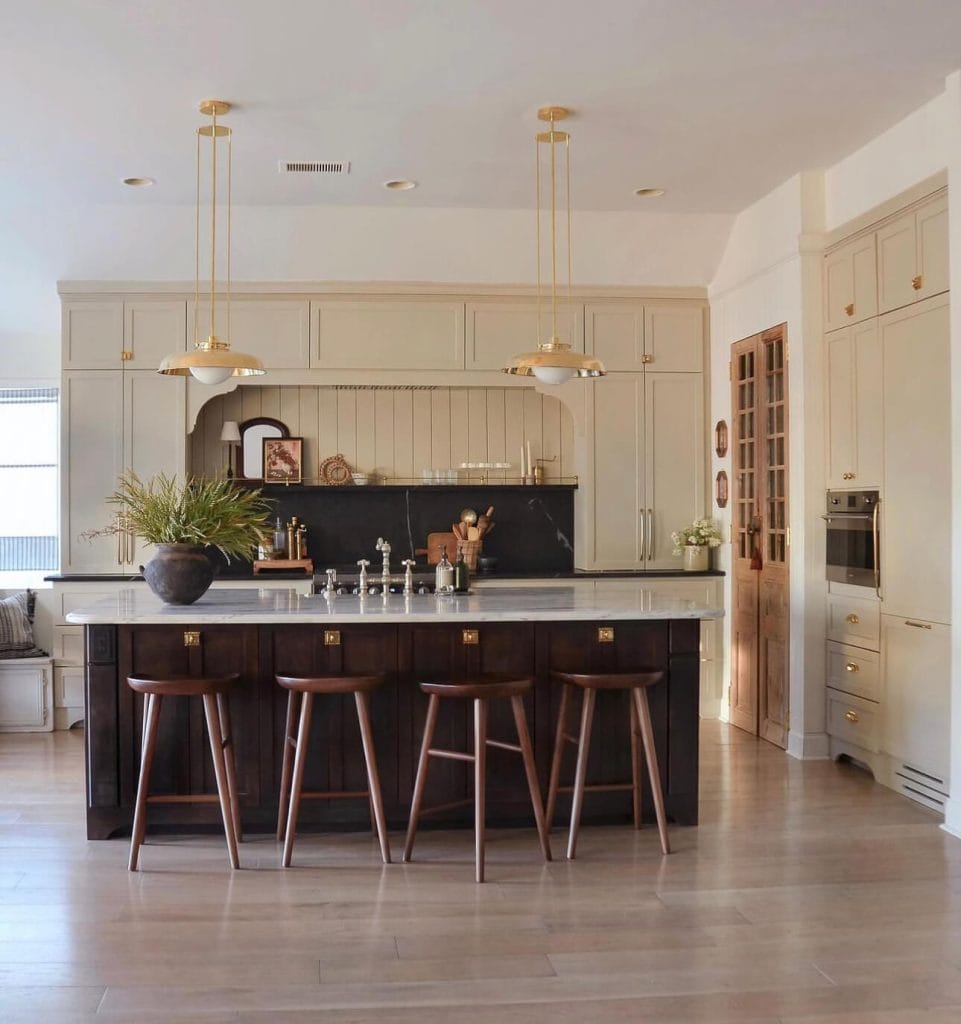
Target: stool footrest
point(183, 798)
point(341, 794)
point(600, 787)
point(437, 808)
point(513, 747)
point(451, 755)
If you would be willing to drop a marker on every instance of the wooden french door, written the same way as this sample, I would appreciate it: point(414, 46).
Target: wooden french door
point(761, 539)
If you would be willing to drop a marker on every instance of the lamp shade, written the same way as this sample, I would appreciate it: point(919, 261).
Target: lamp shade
point(230, 432)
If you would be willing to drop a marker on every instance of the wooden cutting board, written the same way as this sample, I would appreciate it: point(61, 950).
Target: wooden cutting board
point(436, 542)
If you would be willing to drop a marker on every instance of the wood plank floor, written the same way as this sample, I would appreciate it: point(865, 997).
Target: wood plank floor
point(808, 895)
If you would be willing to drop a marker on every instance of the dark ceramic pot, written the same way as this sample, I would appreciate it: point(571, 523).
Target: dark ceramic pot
point(179, 573)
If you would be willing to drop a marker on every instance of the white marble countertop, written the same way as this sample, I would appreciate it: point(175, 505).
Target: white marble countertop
point(608, 599)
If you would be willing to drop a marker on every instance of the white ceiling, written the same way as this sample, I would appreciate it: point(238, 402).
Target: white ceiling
point(716, 100)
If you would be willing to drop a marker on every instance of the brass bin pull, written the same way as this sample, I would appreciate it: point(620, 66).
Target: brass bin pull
point(852, 716)
point(917, 625)
point(852, 618)
point(852, 667)
point(470, 636)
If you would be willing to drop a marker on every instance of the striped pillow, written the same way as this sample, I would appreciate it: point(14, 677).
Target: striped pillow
point(16, 630)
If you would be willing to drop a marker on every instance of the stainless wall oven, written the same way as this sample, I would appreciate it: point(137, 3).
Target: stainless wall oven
point(853, 538)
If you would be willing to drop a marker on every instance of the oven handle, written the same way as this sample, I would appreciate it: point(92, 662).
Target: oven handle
point(877, 551)
point(842, 516)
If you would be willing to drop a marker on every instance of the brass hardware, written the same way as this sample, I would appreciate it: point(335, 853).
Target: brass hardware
point(332, 638)
point(852, 716)
point(852, 667)
point(787, 537)
point(852, 618)
point(126, 355)
point(849, 309)
point(848, 476)
point(605, 634)
point(916, 283)
point(191, 638)
point(647, 358)
point(917, 625)
point(470, 637)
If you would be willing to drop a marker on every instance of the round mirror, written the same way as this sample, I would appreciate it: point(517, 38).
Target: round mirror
point(252, 434)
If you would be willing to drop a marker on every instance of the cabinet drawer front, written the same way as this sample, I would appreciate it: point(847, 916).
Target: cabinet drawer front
point(71, 600)
point(68, 645)
point(854, 621)
point(68, 687)
point(853, 720)
point(853, 670)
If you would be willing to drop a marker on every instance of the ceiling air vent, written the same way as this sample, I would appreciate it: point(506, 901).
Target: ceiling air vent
point(314, 166)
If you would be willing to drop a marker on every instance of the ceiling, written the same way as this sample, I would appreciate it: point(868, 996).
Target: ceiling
point(716, 102)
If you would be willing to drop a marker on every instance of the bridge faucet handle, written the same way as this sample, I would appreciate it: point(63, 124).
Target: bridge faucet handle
point(363, 563)
point(408, 575)
point(383, 545)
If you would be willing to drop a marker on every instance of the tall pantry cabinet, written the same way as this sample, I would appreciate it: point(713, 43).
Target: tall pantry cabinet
point(888, 427)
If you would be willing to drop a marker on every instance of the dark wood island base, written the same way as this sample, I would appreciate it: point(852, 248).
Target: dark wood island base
point(406, 653)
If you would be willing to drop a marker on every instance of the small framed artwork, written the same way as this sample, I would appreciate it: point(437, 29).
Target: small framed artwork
point(720, 439)
point(720, 489)
point(283, 460)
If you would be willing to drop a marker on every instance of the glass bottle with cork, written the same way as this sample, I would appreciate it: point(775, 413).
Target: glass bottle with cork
point(444, 575)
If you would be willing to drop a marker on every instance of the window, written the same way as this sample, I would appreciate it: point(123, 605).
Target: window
point(29, 511)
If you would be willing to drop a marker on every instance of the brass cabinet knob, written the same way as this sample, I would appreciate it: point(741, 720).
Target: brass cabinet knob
point(852, 667)
point(852, 716)
point(849, 309)
point(848, 476)
point(916, 282)
point(852, 618)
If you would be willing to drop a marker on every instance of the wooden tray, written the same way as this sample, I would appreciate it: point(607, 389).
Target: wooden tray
point(284, 564)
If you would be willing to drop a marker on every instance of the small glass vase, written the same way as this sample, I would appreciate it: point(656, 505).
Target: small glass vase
point(697, 557)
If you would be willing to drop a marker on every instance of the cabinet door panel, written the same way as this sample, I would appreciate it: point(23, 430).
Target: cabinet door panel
point(850, 284)
point(932, 235)
point(673, 460)
point(674, 338)
point(152, 330)
point(92, 335)
point(618, 472)
point(615, 334)
point(868, 407)
point(897, 261)
point(916, 507)
point(841, 448)
point(388, 335)
point(91, 424)
point(276, 331)
point(916, 661)
point(497, 332)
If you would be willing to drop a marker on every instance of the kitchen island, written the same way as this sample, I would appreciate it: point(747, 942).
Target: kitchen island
point(612, 625)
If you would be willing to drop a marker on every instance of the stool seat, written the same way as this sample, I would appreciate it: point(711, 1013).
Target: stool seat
point(489, 686)
point(301, 691)
point(481, 689)
point(636, 685)
point(213, 690)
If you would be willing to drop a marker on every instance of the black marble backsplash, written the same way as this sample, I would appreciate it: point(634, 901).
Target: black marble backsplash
point(534, 531)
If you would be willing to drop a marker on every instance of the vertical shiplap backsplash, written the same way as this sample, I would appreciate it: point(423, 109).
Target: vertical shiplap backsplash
point(398, 432)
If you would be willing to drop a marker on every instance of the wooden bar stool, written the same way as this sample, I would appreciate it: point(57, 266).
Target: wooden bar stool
point(480, 689)
point(301, 691)
point(638, 684)
point(213, 690)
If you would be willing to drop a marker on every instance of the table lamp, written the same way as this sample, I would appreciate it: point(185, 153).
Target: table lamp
point(230, 436)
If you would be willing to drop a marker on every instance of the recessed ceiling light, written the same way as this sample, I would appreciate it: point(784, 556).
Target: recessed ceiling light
point(139, 182)
point(400, 185)
point(648, 193)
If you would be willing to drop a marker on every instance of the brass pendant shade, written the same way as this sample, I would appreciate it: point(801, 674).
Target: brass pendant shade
point(554, 362)
point(211, 361)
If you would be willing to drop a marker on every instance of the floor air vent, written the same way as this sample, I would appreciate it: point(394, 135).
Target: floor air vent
point(314, 166)
point(921, 787)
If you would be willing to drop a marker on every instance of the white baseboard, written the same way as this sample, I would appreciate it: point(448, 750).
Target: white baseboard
point(811, 746)
point(952, 817)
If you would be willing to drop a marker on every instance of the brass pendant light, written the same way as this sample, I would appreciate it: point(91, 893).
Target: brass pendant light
point(554, 362)
point(212, 361)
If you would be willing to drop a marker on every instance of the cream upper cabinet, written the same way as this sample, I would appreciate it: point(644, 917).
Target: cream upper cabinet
point(656, 336)
point(853, 406)
point(114, 335)
point(913, 255)
point(397, 334)
point(916, 664)
point(915, 508)
point(850, 283)
point(276, 331)
point(648, 457)
point(499, 331)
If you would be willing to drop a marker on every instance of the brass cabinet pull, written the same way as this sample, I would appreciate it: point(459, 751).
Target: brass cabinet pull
point(191, 638)
point(852, 716)
point(647, 358)
point(851, 667)
point(848, 476)
point(605, 634)
point(852, 618)
point(849, 309)
point(917, 625)
point(332, 638)
point(916, 282)
point(470, 636)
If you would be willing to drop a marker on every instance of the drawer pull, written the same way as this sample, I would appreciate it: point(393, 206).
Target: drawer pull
point(331, 637)
point(852, 618)
point(852, 667)
point(852, 716)
point(470, 637)
point(191, 638)
point(917, 625)
point(916, 282)
point(849, 309)
point(605, 634)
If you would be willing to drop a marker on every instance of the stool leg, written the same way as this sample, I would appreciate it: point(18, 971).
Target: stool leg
point(557, 757)
point(300, 760)
point(635, 760)
point(215, 735)
point(421, 779)
point(227, 742)
point(373, 778)
point(527, 754)
point(650, 752)
point(480, 772)
point(293, 702)
point(583, 748)
point(151, 715)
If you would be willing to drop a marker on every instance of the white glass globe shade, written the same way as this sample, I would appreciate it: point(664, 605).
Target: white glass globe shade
point(553, 374)
point(211, 374)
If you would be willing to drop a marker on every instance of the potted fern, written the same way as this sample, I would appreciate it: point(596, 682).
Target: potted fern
point(181, 518)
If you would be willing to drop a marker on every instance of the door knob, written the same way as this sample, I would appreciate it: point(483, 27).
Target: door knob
point(852, 618)
point(851, 667)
